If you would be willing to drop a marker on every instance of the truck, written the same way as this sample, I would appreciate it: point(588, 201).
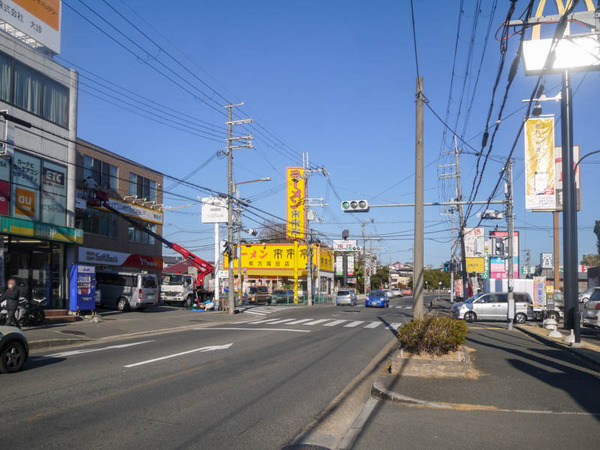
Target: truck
point(178, 288)
point(193, 292)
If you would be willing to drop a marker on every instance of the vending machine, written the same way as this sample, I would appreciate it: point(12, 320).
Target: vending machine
point(82, 288)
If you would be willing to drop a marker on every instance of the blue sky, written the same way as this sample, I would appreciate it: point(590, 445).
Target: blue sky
point(335, 79)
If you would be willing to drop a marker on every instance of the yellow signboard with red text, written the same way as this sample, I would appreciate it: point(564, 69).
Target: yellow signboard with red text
point(277, 260)
point(296, 193)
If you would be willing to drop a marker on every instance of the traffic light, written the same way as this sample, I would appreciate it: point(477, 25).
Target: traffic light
point(353, 206)
point(446, 267)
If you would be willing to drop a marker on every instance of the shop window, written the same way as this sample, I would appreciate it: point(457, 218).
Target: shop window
point(100, 222)
point(5, 78)
point(105, 175)
point(28, 89)
point(56, 103)
point(137, 235)
point(142, 187)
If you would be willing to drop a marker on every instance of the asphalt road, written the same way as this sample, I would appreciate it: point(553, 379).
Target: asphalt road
point(252, 383)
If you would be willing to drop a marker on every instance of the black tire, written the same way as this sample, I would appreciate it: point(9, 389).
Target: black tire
point(187, 303)
point(37, 317)
point(470, 317)
point(553, 315)
point(122, 304)
point(12, 357)
point(520, 318)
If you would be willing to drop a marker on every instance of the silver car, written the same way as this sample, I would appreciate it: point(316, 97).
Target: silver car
point(493, 306)
point(591, 310)
point(346, 297)
point(585, 295)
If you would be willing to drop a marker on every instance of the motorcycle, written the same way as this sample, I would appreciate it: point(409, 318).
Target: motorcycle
point(28, 313)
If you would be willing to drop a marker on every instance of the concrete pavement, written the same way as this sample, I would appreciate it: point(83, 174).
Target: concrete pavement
point(251, 381)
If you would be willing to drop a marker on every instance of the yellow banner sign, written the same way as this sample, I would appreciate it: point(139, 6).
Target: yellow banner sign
point(540, 180)
point(296, 193)
point(476, 265)
point(279, 259)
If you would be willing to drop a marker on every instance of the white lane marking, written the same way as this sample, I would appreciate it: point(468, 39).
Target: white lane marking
point(373, 325)
point(174, 355)
point(281, 321)
point(316, 322)
point(263, 321)
point(354, 324)
point(394, 325)
point(253, 329)
point(91, 350)
point(334, 323)
point(254, 312)
point(300, 321)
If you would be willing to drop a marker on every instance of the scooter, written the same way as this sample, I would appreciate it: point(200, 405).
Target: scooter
point(28, 312)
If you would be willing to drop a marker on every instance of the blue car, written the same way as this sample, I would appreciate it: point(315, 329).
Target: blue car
point(377, 299)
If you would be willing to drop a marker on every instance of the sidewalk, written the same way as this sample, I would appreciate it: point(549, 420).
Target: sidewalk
point(528, 394)
point(119, 325)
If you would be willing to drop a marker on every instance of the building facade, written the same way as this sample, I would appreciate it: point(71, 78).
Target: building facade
point(110, 242)
point(38, 129)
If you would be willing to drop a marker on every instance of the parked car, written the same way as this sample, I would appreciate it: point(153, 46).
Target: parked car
point(259, 294)
point(591, 310)
point(395, 292)
point(128, 290)
point(377, 299)
point(282, 296)
point(493, 306)
point(346, 297)
point(14, 349)
point(585, 295)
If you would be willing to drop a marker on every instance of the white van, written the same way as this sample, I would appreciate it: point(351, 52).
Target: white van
point(125, 290)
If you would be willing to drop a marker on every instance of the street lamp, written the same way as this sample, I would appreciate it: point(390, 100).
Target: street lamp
point(239, 229)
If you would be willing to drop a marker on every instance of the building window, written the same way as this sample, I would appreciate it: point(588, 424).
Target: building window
point(142, 187)
point(100, 222)
point(56, 103)
point(137, 235)
point(105, 175)
point(28, 89)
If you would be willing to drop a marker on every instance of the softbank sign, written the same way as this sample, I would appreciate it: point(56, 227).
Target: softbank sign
point(110, 258)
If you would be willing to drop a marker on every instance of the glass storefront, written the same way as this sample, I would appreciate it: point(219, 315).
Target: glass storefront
point(38, 266)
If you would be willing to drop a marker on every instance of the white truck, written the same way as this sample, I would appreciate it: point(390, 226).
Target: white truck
point(178, 289)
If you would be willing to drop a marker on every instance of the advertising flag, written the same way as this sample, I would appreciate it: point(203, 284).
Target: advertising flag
point(540, 180)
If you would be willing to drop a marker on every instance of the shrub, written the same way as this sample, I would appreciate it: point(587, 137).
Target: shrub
point(434, 335)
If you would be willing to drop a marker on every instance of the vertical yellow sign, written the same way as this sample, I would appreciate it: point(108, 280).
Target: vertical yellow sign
point(296, 193)
point(540, 182)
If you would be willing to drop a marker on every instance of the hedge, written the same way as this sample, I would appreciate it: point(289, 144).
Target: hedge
point(434, 335)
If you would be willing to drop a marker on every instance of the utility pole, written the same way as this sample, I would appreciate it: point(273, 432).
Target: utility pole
point(556, 238)
point(230, 148)
point(309, 266)
point(511, 233)
point(364, 254)
point(418, 246)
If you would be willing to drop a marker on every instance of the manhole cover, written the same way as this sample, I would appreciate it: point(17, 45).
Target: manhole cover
point(73, 332)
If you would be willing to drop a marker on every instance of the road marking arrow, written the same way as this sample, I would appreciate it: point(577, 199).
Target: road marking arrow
point(175, 355)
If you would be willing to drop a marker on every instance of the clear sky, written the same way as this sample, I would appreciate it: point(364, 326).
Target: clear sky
point(332, 78)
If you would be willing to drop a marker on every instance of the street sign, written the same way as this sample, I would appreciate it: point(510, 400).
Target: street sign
point(214, 210)
point(345, 245)
point(546, 260)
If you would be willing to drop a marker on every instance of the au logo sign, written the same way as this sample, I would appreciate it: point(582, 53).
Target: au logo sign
point(25, 202)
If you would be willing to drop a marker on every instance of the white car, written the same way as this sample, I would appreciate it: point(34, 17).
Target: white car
point(14, 349)
point(585, 295)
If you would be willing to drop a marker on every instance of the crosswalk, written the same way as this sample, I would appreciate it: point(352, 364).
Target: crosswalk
point(342, 323)
point(262, 310)
point(403, 307)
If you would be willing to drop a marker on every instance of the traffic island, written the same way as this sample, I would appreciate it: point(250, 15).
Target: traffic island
point(456, 364)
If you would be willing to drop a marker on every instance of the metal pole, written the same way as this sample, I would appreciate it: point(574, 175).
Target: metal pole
point(418, 246)
point(364, 258)
point(345, 270)
point(570, 252)
point(231, 281)
point(239, 244)
point(556, 226)
point(296, 249)
point(217, 265)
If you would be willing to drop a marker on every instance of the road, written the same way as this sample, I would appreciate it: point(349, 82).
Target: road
point(256, 382)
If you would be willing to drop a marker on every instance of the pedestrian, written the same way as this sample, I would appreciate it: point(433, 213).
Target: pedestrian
point(11, 295)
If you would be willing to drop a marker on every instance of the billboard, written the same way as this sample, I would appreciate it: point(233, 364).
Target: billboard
point(499, 252)
point(546, 260)
point(296, 193)
point(350, 265)
point(559, 177)
point(345, 245)
point(474, 242)
point(38, 19)
point(540, 180)
point(339, 266)
point(475, 265)
point(214, 210)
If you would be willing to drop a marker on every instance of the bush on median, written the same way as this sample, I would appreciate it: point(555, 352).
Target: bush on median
point(434, 335)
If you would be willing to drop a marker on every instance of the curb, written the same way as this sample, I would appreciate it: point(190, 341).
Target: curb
point(48, 343)
point(594, 362)
point(380, 391)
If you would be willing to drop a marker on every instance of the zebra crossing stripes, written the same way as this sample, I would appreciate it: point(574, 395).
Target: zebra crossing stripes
point(281, 321)
point(354, 324)
point(334, 323)
point(262, 321)
point(296, 322)
point(373, 325)
point(316, 322)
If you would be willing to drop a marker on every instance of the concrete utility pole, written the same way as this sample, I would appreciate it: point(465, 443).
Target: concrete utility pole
point(511, 232)
point(364, 254)
point(230, 200)
point(461, 223)
point(418, 246)
point(556, 230)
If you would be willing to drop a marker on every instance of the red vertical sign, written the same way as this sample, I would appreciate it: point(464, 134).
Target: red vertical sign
point(4, 198)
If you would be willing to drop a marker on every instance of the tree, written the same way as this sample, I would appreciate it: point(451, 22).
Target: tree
point(380, 278)
point(591, 260)
point(597, 233)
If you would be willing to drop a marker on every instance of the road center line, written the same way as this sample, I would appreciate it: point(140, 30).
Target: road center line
point(196, 350)
point(91, 350)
